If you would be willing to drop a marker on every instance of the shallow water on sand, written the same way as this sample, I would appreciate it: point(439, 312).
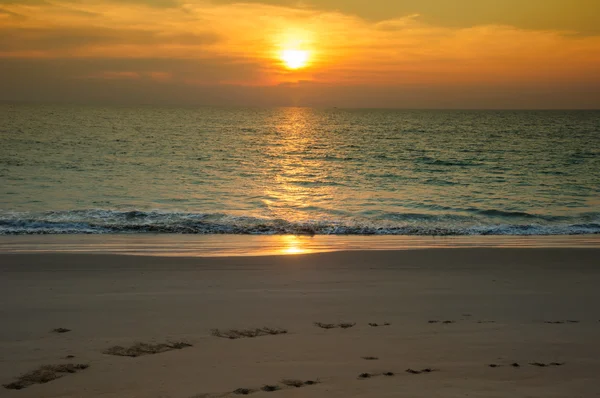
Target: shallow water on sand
point(235, 245)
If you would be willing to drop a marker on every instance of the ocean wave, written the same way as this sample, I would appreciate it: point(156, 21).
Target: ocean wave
point(99, 221)
point(517, 214)
point(447, 162)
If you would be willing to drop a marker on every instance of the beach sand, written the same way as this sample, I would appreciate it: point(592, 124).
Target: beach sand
point(497, 303)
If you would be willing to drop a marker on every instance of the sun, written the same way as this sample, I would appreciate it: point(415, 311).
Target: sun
point(295, 59)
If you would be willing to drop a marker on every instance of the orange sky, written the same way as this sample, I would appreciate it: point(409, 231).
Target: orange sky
point(222, 52)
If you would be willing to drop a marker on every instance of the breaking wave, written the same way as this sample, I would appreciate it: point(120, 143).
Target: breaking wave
point(469, 222)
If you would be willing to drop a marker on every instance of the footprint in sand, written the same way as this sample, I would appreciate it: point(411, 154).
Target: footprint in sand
point(417, 372)
point(243, 391)
point(538, 364)
point(495, 365)
point(370, 375)
point(270, 388)
point(299, 383)
point(288, 383)
point(561, 322)
point(140, 349)
point(343, 325)
point(234, 334)
point(44, 374)
point(544, 365)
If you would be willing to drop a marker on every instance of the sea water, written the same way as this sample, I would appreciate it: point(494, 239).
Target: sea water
point(72, 169)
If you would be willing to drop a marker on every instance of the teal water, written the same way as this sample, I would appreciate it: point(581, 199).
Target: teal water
point(84, 169)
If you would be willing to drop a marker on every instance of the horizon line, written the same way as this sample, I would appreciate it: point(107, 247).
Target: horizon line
point(238, 106)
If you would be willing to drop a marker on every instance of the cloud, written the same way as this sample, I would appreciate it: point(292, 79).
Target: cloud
point(81, 40)
point(203, 43)
point(117, 75)
point(8, 14)
point(47, 82)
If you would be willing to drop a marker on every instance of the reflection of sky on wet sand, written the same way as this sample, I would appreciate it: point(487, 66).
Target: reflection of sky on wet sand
point(236, 245)
point(294, 245)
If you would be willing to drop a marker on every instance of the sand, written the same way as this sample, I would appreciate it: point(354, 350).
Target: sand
point(497, 303)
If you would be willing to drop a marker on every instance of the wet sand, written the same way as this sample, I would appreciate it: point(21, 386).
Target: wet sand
point(454, 311)
point(178, 245)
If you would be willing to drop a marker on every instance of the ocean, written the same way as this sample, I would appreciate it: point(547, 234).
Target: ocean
point(67, 169)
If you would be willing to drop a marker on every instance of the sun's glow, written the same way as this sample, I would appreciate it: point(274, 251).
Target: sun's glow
point(293, 250)
point(292, 245)
point(295, 59)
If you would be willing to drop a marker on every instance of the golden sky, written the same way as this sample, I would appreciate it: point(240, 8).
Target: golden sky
point(427, 53)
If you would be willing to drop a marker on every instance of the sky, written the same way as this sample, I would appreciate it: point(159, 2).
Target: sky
point(509, 54)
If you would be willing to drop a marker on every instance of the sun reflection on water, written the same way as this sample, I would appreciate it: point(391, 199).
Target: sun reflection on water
point(299, 177)
point(291, 244)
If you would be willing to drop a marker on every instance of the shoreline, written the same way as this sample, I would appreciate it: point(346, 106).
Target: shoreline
point(173, 245)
